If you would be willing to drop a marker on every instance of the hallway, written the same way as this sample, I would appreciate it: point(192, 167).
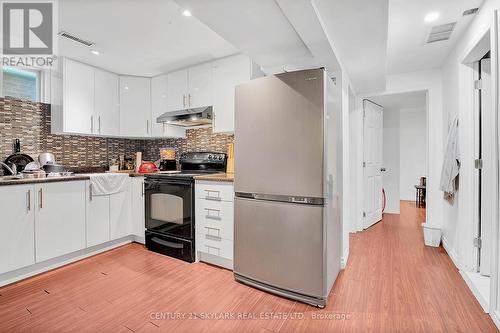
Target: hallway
point(392, 284)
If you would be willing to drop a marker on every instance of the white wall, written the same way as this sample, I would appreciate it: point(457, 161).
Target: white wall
point(391, 160)
point(457, 93)
point(459, 216)
point(412, 151)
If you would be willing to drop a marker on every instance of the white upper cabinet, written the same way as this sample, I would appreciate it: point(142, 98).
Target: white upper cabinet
point(177, 90)
point(189, 88)
point(135, 106)
point(90, 101)
point(158, 107)
point(78, 99)
point(200, 86)
point(106, 103)
point(227, 74)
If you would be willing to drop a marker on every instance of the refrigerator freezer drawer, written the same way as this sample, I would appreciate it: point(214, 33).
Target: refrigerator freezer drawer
point(280, 244)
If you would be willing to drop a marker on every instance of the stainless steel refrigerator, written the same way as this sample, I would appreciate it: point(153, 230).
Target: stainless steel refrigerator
point(288, 184)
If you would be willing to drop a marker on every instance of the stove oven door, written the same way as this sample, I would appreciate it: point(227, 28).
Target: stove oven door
point(169, 207)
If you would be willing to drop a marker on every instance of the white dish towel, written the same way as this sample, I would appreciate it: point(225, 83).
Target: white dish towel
point(108, 183)
point(451, 163)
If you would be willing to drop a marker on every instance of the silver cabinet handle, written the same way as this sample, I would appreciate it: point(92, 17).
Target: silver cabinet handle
point(28, 200)
point(209, 216)
point(163, 128)
point(99, 120)
point(216, 249)
point(147, 126)
point(90, 192)
point(40, 198)
point(211, 197)
point(143, 185)
point(184, 100)
point(189, 99)
point(91, 124)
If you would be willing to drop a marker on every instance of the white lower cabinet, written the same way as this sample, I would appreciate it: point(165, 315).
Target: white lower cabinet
point(97, 218)
point(59, 218)
point(120, 214)
point(138, 209)
point(215, 222)
point(17, 227)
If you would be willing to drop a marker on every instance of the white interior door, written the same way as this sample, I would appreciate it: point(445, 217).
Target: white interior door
point(488, 171)
point(372, 165)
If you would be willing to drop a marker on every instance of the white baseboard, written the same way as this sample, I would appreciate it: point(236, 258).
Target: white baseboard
point(344, 259)
point(451, 252)
point(47, 265)
point(495, 316)
point(482, 299)
point(139, 239)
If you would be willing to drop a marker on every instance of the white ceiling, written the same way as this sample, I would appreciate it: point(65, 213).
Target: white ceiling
point(258, 28)
point(411, 100)
point(407, 51)
point(143, 38)
point(357, 30)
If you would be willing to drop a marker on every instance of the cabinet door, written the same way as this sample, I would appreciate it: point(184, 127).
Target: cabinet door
point(59, 219)
point(200, 86)
point(17, 230)
point(159, 107)
point(135, 106)
point(78, 98)
point(158, 103)
point(138, 209)
point(227, 74)
point(97, 218)
point(120, 214)
point(107, 103)
point(177, 90)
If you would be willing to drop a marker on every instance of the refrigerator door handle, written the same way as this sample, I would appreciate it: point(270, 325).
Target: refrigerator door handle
point(282, 198)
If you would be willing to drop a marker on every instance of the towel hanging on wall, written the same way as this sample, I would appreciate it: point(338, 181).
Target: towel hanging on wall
point(451, 163)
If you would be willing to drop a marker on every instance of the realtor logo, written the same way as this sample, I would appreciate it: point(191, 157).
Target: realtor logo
point(27, 28)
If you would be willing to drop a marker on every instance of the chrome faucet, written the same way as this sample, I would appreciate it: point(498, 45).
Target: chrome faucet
point(12, 169)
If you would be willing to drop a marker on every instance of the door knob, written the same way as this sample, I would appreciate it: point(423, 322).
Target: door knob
point(383, 169)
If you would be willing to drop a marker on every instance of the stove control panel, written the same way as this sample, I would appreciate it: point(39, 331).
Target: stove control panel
point(203, 158)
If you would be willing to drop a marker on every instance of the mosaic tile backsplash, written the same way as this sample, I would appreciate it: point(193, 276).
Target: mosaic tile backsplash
point(30, 122)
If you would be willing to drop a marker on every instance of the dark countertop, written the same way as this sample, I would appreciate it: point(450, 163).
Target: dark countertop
point(40, 180)
point(218, 177)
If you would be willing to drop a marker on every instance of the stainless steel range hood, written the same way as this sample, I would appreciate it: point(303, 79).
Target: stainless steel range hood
point(188, 117)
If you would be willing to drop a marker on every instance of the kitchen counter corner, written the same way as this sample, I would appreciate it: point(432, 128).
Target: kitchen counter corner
point(218, 177)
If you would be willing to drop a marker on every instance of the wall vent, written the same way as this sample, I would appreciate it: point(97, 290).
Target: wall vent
point(74, 38)
point(441, 32)
point(471, 11)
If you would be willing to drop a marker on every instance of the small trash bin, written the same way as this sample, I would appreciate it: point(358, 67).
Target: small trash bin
point(432, 235)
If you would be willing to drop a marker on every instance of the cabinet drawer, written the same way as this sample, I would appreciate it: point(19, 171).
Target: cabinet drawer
point(214, 191)
point(215, 218)
point(215, 246)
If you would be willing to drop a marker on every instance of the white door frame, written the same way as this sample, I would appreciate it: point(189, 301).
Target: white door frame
point(487, 40)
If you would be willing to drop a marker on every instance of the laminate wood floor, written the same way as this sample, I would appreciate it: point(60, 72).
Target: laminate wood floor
point(392, 283)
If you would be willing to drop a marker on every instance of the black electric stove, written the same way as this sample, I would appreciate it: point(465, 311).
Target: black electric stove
point(170, 204)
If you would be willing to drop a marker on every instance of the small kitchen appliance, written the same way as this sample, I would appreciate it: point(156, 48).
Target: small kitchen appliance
point(167, 159)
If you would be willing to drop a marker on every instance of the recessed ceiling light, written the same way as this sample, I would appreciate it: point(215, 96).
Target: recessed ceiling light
point(431, 17)
point(126, 88)
point(187, 13)
point(95, 52)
